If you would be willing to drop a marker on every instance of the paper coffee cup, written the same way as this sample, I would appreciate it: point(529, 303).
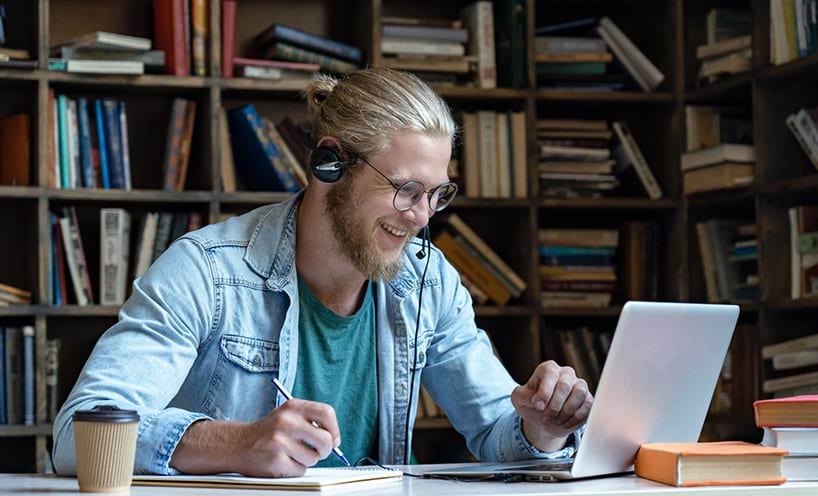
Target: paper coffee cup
point(105, 443)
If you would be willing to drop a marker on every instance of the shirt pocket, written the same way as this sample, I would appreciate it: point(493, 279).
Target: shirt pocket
point(424, 340)
point(242, 387)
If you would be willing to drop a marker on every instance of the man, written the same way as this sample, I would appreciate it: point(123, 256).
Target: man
point(324, 292)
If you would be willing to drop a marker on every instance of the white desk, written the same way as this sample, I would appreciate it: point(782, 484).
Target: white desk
point(49, 485)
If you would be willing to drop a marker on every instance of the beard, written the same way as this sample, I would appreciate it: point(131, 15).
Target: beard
point(350, 230)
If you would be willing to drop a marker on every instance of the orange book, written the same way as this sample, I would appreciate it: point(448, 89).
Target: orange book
point(795, 411)
point(474, 269)
point(729, 463)
point(15, 147)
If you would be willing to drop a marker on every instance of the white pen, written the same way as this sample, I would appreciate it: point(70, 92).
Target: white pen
point(283, 390)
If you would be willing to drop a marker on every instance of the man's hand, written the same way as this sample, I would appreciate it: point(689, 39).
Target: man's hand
point(552, 404)
point(282, 444)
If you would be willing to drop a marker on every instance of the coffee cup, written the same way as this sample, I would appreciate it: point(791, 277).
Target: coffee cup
point(105, 443)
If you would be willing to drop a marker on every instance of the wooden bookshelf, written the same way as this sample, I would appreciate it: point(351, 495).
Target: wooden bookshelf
point(666, 30)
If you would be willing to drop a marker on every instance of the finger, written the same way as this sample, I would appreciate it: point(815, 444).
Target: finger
point(561, 390)
point(581, 415)
point(575, 399)
point(549, 373)
point(323, 415)
point(300, 453)
point(521, 398)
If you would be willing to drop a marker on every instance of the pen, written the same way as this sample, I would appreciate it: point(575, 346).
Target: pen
point(283, 390)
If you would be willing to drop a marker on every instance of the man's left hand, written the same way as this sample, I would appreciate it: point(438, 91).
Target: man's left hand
point(552, 404)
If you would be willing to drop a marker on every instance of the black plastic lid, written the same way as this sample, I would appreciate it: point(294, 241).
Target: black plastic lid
point(106, 413)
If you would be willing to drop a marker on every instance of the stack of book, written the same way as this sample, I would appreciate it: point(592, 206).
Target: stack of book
point(268, 157)
point(10, 295)
point(729, 48)
point(729, 254)
point(573, 62)
point(793, 29)
point(434, 49)
point(286, 43)
point(577, 267)
point(723, 166)
point(484, 274)
point(17, 375)
point(101, 52)
point(803, 126)
point(578, 159)
point(803, 251)
point(15, 149)
point(16, 58)
point(793, 364)
point(791, 423)
point(494, 154)
point(88, 143)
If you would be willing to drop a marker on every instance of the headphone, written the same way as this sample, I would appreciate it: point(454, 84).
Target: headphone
point(327, 165)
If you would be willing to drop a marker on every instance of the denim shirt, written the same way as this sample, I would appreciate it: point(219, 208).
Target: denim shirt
point(215, 318)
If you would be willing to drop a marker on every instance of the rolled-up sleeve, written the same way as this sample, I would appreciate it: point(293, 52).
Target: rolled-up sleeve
point(141, 361)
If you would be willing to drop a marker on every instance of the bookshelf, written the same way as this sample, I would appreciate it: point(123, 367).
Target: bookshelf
point(523, 331)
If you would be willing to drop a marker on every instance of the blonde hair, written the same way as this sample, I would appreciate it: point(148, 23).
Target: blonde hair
point(367, 107)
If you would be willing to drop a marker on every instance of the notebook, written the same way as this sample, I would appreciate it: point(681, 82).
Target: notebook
point(315, 479)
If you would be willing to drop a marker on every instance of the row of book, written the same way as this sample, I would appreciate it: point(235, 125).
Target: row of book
point(793, 29)
point(585, 350)
point(804, 127)
point(17, 375)
point(728, 49)
point(157, 231)
point(729, 253)
point(484, 274)
point(578, 158)
point(719, 150)
point(803, 221)
point(577, 267)
point(793, 364)
point(494, 154)
point(88, 143)
point(11, 295)
point(574, 55)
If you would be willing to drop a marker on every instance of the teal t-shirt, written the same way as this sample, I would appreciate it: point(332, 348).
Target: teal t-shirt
point(337, 365)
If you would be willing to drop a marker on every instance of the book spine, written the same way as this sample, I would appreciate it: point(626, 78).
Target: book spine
point(103, 147)
point(296, 54)
point(474, 269)
point(28, 375)
point(419, 47)
point(169, 19)
point(284, 177)
point(14, 372)
point(113, 144)
point(62, 117)
point(52, 358)
point(3, 393)
point(639, 163)
point(54, 141)
point(487, 136)
point(317, 43)
point(228, 37)
point(173, 152)
point(479, 19)
point(199, 24)
point(646, 69)
point(79, 252)
point(112, 259)
point(88, 178)
point(73, 146)
point(162, 239)
point(184, 147)
point(126, 151)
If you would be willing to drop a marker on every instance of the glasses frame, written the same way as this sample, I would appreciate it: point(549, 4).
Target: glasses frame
point(399, 187)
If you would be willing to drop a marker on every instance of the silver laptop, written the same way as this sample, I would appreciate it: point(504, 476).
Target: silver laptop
point(656, 386)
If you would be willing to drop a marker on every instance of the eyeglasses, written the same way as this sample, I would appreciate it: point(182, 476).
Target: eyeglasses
point(408, 194)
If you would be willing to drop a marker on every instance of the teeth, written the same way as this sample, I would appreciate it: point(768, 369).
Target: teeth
point(393, 230)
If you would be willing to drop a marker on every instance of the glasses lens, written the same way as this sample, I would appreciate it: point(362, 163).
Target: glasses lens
point(442, 196)
point(408, 195)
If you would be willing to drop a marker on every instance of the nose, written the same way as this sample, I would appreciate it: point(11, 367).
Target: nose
point(419, 214)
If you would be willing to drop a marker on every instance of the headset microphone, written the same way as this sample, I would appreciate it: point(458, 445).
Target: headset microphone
point(422, 252)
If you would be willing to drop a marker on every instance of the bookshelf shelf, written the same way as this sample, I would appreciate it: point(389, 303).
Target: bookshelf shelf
point(740, 197)
point(259, 85)
point(25, 430)
point(78, 311)
point(788, 187)
point(20, 192)
point(19, 311)
point(509, 311)
point(806, 303)
point(252, 197)
point(543, 95)
point(804, 67)
point(733, 89)
point(613, 311)
point(109, 196)
point(433, 423)
point(146, 81)
point(18, 75)
point(464, 202)
point(608, 203)
point(479, 94)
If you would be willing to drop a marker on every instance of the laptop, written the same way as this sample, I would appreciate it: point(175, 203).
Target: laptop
point(656, 386)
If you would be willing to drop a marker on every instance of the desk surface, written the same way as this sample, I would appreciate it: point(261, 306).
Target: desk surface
point(50, 485)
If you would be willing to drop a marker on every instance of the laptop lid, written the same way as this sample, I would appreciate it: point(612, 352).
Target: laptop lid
point(657, 382)
point(656, 385)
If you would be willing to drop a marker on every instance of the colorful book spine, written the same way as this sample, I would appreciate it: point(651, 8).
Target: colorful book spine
point(114, 144)
point(88, 177)
point(103, 149)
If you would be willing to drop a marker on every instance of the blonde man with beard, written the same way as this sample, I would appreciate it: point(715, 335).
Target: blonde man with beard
point(332, 293)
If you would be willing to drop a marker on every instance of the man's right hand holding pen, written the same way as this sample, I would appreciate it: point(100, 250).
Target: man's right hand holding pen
point(282, 444)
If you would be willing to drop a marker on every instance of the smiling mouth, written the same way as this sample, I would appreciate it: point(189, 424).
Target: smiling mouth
point(401, 233)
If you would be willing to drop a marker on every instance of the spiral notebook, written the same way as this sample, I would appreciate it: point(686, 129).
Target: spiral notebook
point(315, 479)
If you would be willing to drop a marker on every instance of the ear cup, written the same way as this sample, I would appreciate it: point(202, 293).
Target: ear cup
point(326, 164)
